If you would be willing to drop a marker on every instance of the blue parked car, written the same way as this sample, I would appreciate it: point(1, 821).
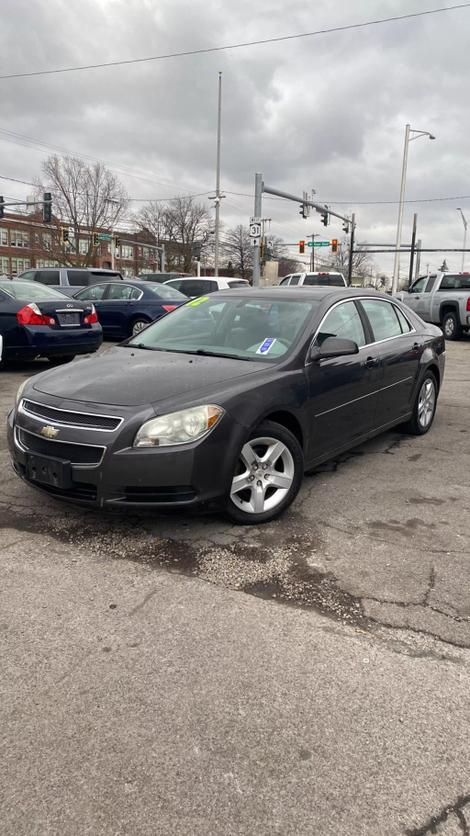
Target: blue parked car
point(38, 321)
point(126, 308)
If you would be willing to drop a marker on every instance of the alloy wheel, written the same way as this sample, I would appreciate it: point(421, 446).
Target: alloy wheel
point(264, 475)
point(449, 327)
point(139, 326)
point(426, 402)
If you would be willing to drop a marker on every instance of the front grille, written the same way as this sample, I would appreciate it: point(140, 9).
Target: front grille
point(79, 490)
point(170, 494)
point(74, 453)
point(76, 419)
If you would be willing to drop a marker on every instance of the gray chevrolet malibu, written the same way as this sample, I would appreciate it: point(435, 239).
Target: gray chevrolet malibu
point(228, 400)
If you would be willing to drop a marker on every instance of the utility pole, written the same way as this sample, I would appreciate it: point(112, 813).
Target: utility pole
point(465, 224)
point(312, 251)
point(217, 182)
point(418, 257)
point(413, 247)
point(256, 245)
point(396, 265)
point(351, 248)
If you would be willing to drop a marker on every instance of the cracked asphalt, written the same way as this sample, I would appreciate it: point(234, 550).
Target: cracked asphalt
point(178, 674)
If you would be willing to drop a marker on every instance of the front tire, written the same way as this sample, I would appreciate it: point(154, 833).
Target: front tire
point(451, 326)
point(267, 476)
point(424, 408)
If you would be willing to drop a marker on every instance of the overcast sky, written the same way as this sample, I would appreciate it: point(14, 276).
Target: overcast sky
point(325, 112)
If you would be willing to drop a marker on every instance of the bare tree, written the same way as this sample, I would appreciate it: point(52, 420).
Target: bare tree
point(362, 262)
point(237, 247)
point(290, 265)
point(84, 198)
point(178, 224)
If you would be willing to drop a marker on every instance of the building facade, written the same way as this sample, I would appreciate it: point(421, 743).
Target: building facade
point(25, 242)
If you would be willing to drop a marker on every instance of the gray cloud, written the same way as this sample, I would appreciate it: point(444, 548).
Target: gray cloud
point(327, 112)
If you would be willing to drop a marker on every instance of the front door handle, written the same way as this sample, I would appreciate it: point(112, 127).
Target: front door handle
point(371, 362)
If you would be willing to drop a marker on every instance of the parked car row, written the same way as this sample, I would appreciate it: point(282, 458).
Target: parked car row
point(442, 298)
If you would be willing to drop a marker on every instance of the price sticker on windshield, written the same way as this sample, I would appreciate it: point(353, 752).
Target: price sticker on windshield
point(266, 345)
point(195, 302)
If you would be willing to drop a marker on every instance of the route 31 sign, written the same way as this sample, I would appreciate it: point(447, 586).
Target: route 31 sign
point(255, 228)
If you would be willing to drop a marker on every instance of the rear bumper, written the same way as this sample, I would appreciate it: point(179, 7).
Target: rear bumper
point(47, 342)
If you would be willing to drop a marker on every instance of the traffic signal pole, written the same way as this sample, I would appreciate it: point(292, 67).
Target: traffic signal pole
point(261, 187)
point(351, 248)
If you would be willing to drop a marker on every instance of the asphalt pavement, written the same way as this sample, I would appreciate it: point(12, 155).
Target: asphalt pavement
point(180, 675)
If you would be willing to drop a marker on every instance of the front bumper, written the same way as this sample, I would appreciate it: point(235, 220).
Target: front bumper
point(108, 471)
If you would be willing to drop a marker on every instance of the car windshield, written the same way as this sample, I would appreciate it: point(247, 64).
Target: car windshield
point(167, 292)
point(245, 329)
point(32, 291)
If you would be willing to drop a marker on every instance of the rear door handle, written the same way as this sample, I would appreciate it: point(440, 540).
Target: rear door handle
point(371, 362)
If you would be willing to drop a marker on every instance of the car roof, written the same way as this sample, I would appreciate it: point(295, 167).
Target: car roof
point(302, 293)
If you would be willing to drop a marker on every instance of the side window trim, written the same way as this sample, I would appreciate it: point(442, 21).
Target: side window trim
point(335, 305)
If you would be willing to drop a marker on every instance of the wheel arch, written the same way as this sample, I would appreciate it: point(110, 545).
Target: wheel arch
point(448, 307)
point(288, 420)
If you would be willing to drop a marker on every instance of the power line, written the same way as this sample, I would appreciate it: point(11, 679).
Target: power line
point(364, 202)
point(29, 141)
point(240, 45)
point(131, 199)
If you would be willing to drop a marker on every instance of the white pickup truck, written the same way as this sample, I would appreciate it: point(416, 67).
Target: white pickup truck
point(441, 298)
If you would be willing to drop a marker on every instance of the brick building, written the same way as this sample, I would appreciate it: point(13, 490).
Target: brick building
point(25, 241)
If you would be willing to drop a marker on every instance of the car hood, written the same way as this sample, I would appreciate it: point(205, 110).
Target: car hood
point(133, 377)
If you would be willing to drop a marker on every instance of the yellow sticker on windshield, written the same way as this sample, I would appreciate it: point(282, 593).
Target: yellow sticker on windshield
point(195, 302)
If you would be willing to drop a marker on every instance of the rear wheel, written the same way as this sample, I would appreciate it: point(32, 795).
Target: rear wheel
point(138, 325)
point(58, 361)
point(451, 326)
point(424, 408)
point(267, 476)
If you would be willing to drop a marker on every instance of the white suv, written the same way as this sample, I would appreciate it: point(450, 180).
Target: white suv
point(192, 286)
point(315, 279)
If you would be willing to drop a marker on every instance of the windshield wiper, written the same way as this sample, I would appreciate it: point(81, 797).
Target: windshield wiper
point(142, 345)
point(204, 353)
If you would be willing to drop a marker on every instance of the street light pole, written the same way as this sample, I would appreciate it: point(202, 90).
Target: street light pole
point(465, 224)
point(396, 266)
point(217, 182)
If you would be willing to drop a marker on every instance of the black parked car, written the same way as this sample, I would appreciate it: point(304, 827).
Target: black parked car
point(126, 308)
point(228, 400)
point(37, 321)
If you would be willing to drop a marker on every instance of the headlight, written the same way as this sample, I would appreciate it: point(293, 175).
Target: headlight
point(20, 390)
point(178, 427)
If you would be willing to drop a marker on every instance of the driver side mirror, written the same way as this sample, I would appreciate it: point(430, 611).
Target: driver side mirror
point(332, 347)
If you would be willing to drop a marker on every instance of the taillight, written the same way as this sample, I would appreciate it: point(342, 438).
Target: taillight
point(169, 308)
point(468, 304)
point(91, 318)
point(31, 315)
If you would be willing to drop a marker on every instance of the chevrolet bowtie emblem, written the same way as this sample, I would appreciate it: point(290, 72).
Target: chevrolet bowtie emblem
point(49, 432)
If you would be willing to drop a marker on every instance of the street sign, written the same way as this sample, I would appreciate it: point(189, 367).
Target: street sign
point(104, 236)
point(318, 244)
point(255, 228)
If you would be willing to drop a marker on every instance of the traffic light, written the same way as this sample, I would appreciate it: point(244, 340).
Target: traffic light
point(301, 246)
point(334, 245)
point(2, 206)
point(47, 207)
point(96, 239)
point(325, 218)
point(196, 248)
point(346, 228)
point(303, 210)
point(64, 235)
point(117, 242)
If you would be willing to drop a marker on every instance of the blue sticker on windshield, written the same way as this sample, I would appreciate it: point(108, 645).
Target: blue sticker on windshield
point(266, 345)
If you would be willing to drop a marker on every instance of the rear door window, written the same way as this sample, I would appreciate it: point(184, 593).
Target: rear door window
point(123, 292)
point(295, 279)
point(77, 278)
point(47, 277)
point(285, 280)
point(383, 319)
point(198, 287)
